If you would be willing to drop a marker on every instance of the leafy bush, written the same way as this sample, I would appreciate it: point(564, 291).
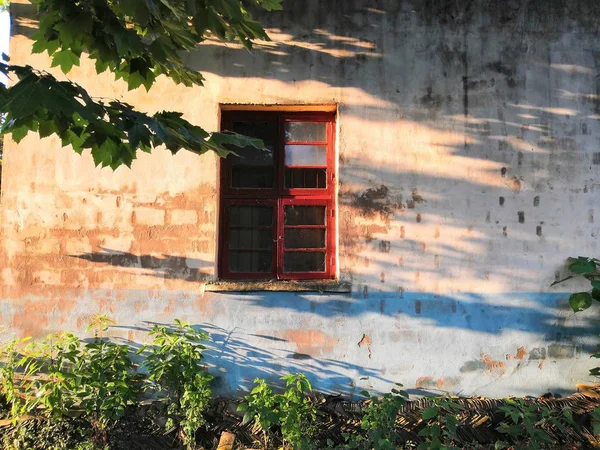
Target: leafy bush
point(173, 363)
point(440, 434)
point(379, 420)
point(291, 410)
point(49, 434)
point(62, 373)
point(298, 413)
point(378, 423)
point(528, 424)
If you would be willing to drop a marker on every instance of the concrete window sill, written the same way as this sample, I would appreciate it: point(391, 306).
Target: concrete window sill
point(332, 286)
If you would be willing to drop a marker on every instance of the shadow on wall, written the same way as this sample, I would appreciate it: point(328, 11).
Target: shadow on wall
point(491, 114)
point(236, 363)
point(347, 343)
point(167, 267)
point(377, 354)
point(546, 313)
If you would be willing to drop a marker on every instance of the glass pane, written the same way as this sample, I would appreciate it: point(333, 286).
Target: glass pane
point(252, 177)
point(267, 131)
point(304, 262)
point(245, 261)
point(251, 156)
point(304, 238)
point(304, 215)
point(305, 155)
point(251, 238)
point(251, 216)
point(305, 132)
point(305, 178)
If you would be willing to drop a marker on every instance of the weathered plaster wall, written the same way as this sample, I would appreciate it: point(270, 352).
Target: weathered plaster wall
point(469, 171)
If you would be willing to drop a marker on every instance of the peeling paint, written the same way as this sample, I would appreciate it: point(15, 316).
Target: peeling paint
point(309, 342)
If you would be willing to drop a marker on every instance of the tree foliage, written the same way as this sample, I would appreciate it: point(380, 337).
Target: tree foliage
point(136, 40)
point(585, 267)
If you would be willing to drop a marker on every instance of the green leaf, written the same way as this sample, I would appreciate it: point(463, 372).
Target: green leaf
point(66, 59)
point(46, 128)
point(595, 284)
point(135, 80)
point(24, 98)
point(18, 133)
point(429, 413)
point(582, 265)
point(596, 294)
point(580, 301)
point(596, 427)
point(103, 154)
point(271, 5)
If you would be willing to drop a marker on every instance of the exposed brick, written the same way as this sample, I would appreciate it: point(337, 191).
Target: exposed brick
point(149, 216)
point(47, 277)
point(120, 244)
point(13, 247)
point(77, 247)
point(183, 217)
point(8, 276)
point(44, 246)
point(201, 246)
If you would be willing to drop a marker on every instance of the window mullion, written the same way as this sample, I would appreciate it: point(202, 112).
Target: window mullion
point(279, 243)
point(279, 161)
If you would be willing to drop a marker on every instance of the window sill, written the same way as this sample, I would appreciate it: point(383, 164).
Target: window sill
point(332, 286)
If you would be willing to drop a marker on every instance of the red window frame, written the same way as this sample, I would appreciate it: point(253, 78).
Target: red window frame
point(279, 196)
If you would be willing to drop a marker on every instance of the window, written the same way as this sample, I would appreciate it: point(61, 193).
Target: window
point(277, 206)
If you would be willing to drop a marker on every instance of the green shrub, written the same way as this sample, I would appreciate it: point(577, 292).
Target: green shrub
point(62, 373)
point(442, 419)
point(292, 411)
point(379, 422)
point(49, 434)
point(173, 364)
point(526, 424)
point(298, 413)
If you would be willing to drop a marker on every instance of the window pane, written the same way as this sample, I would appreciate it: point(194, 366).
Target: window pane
point(252, 167)
point(252, 177)
point(304, 238)
point(305, 155)
point(251, 156)
point(251, 238)
point(245, 261)
point(304, 215)
point(251, 216)
point(305, 132)
point(304, 262)
point(306, 178)
point(267, 131)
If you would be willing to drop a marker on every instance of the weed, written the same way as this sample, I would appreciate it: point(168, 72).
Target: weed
point(174, 367)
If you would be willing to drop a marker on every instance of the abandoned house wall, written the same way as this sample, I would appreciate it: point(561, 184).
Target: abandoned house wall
point(469, 170)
